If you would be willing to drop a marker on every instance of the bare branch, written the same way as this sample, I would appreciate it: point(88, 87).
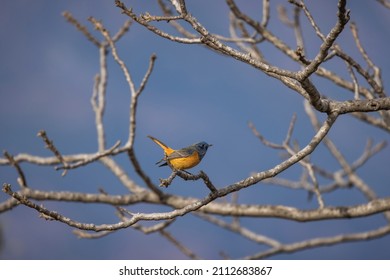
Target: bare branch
point(98, 99)
point(324, 241)
point(99, 26)
point(91, 159)
point(69, 17)
point(248, 41)
point(187, 205)
point(89, 235)
point(343, 18)
point(51, 147)
point(155, 30)
point(266, 14)
point(188, 176)
point(385, 3)
point(353, 177)
point(262, 138)
point(109, 227)
point(134, 101)
point(263, 31)
point(155, 228)
point(22, 178)
point(380, 123)
point(122, 31)
point(258, 238)
point(354, 80)
point(186, 251)
point(363, 52)
point(8, 205)
point(123, 177)
point(369, 151)
point(302, 5)
point(290, 130)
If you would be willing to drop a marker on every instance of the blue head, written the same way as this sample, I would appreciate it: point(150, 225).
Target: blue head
point(202, 147)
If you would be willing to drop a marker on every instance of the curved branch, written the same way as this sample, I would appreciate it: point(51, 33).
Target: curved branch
point(324, 241)
point(185, 206)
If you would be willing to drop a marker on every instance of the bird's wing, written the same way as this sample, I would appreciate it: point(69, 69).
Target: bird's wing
point(182, 153)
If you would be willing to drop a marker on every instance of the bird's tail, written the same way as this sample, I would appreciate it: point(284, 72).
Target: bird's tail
point(166, 149)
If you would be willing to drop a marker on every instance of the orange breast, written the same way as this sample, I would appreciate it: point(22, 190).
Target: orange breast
point(185, 163)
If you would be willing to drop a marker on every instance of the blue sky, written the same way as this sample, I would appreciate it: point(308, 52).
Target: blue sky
point(46, 78)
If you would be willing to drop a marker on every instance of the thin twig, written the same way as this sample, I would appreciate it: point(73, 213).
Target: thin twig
point(98, 99)
point(243, 231)
point(134, 101)
point(22, 178)
point(265, 13)
point(69, 17)
point(185, 250)
point(99, 26)
point(354, 81)
point(385, 3)
point(188, 176)
point(122, 31)
point(353, 177)
point(324, 241)
point(342, 20)
point(263, 139)
point(51, 147)
point(86, 161)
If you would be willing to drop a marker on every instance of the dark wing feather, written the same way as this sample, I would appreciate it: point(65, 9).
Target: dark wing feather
point(182, 153)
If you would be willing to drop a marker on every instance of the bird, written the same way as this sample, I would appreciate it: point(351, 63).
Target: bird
point(184, 158)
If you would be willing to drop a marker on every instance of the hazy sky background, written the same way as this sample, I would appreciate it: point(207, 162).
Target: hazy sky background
point(47, 71)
